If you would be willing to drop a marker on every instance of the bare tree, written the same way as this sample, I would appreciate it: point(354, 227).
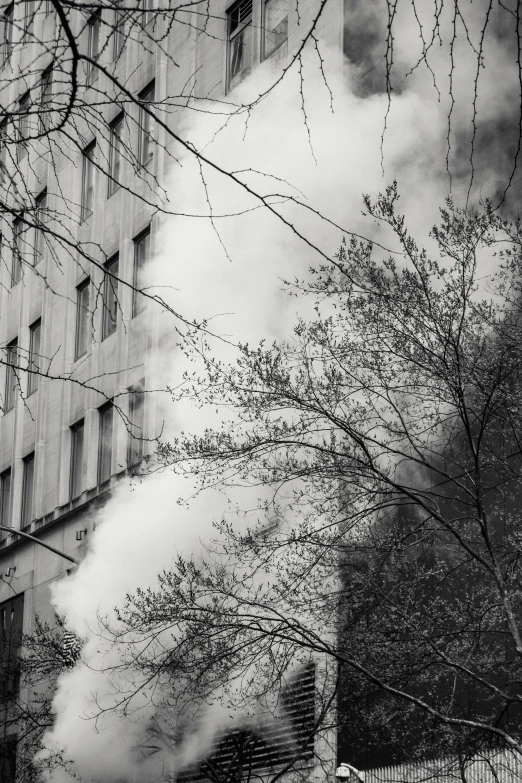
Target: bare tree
point(386, 434)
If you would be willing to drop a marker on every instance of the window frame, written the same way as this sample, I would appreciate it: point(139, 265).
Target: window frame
point(5, 506)
point(28, 490)
point(39, 236)
point(105, 457)
point(146, 125)
point(81, 314)
point(115, 157)
point(118, 40)
point(138, 306)
point(29, 11)
point(136, 392)
point(16, 252)
point(11, 379)
point(88, 182)
point(93, 44)
point(231, 34)
point(33, 380)
point(110, 297)
point(7, 37)
point(264, 54)
point(24, 102)
point(46, 96)
point(76, 474)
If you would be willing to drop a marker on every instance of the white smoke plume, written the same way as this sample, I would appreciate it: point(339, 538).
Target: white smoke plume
point(331, 159)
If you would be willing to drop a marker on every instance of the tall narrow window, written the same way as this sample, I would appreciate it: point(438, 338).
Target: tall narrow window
point(28, 491)
point(17, 254)
point(110, 297)
point(82, 319)
point(11, 375)
point(24, 106)
point(29, 18)
point(275, 25)
point(35, 334)
point(116, 130)
point(93, 44)
point(87, 182)
point(118, 34)
point(3, 153)
point(7, 45)
point(46, 96)
point(105, 443)
point(239, 41)
point(136, 421)
point(77, 435)
point(5, 500)
point(40, 216)
point(48, 7)
point(146, 126)
point(11, 627)
point(141, 256)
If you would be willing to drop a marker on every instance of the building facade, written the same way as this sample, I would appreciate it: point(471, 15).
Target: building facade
point(81, 207)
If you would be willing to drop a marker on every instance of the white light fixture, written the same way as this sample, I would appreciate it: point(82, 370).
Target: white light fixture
point(348, 774)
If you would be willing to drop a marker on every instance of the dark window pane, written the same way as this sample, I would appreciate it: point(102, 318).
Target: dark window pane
point(239, 41)
point(5, 501)
point(146, 127)
point(82, 319)
point(17, 256)
point(115, 155)
point(28, 491)
point(110, 298)
point(87, 183)
point(141, 256)
point(136, 420)
point(39, 219)
point(105, 444)
point(34, 357)
point(11, 375)
point(77, 460)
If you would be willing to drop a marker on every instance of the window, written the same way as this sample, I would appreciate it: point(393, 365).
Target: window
point(141, 256)
point(118, 35)
point(17, 254)
point(110, 297)
point(136, 420)
point(146, 126)
point(8, 33)
point(29, 18)
point(82, 319)
point(11, 627)
point(24, 105)
point(11, 377)
point(40, 215)
point(239, 41)
point(275, 25)
point(77, 434)
point(116, 130)
point(93, 44)
point(3, 153)
point(87, 202)
point(28, 491)
point(46, 96)
point(48, 7)
point(5, 500)
point(35, 333)
point(105, 443)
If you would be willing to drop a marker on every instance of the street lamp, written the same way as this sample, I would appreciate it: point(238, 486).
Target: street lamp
point(345, 773)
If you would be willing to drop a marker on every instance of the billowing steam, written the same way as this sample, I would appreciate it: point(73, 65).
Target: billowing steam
point(229, 270)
